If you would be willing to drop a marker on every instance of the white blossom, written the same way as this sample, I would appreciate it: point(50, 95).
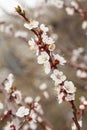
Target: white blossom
point(8, 82)
point(39, 119)
point(21, 33)
point(46, 39)
point(58, 89)
point(47, 67)
point(48, 128)
point(61, 60)
point(37, 99)
point(75, 4)
point(37, 51)
point(1, 106)
point(82, 99)
point(22, 111)
point(26, 127)
point(60, 97)
point(84, 25)
point(70, 11)
point(7, 126)
point(44, 28)
point(70, 97)
point(33, 115)
point(36, 104)
point(46, 95)
point(43, 86)
point(32, 125)
point(76, 53)
point(28, 100)
point(69, 87)
point(51, 47)
point(38, 108)
point(17, 96)
point(85, 103)
point(43, 58)
point(81, 74)
point(32, 44)
point(58, 76)
point(55, 36)
point(31, 25)
point(81, 107)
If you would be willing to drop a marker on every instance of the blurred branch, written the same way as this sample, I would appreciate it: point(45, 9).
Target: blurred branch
point(10, 106)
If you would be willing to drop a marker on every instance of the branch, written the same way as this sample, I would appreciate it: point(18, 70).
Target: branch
point(53, 64)
point(11, 106)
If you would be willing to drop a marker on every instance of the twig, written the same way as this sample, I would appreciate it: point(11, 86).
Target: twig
point(75, 115)
point(11, 106)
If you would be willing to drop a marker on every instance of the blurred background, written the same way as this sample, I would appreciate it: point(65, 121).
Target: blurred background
point(17, 58)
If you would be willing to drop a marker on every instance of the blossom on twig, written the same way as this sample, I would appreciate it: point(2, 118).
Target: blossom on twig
point(31, 25)
point(22, 111)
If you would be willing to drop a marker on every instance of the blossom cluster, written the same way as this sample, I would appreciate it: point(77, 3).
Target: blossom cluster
point(27, 109)
point(71, 7)
point(83, 103)
point(81, 74)
point(45, 47)
point(61, 4)
point(50, 61)
point(77, 55)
